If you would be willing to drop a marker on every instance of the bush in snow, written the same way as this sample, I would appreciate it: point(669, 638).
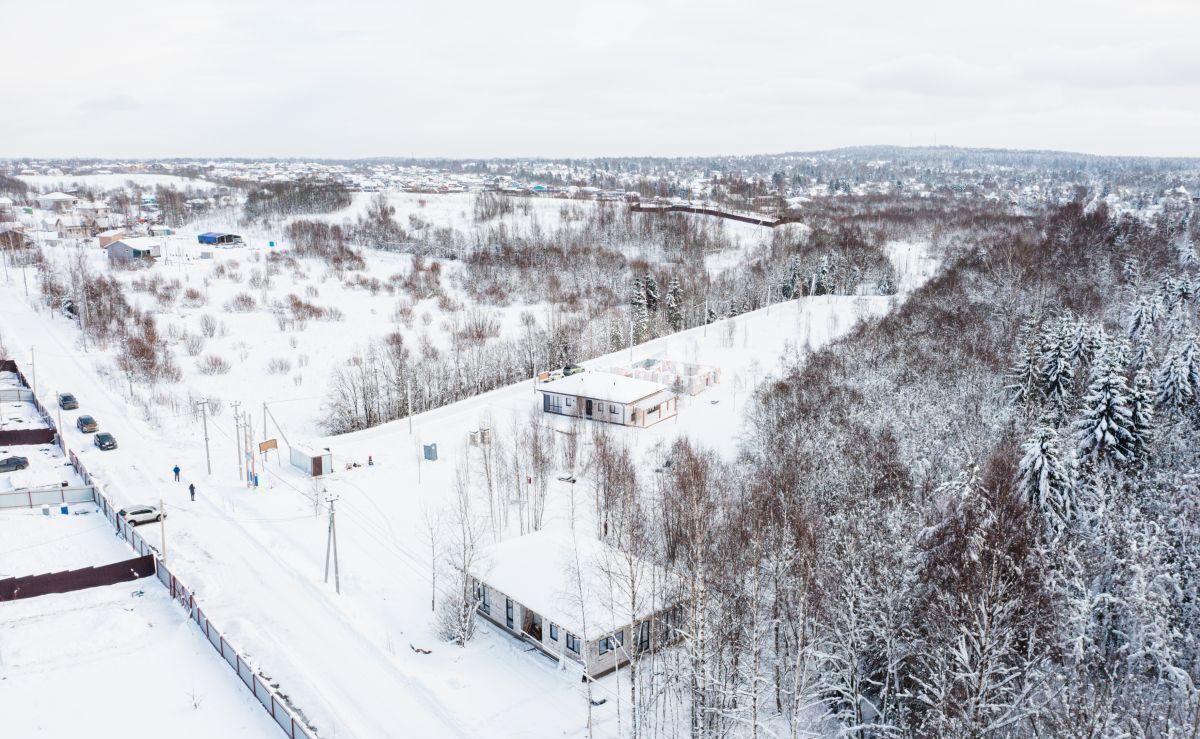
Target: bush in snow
point(193, 344)
point(208, 325)
point(193, 298)
point(279, 366)
point(213, 365)
point(241, 303)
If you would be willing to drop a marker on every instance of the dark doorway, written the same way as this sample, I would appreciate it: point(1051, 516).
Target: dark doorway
point(588, 406)
point(532, 625)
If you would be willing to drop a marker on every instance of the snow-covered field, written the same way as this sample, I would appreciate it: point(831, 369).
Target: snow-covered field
point(121, 661)
point(256, 558)
point(34, 544)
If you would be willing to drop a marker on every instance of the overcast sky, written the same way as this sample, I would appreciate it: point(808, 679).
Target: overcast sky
point(512, 78)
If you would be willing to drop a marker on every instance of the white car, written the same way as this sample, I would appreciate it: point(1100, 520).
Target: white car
point(136, 514)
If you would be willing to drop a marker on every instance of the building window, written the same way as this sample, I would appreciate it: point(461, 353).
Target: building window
point(572, 643)
point(508, 612)
point(553, 632)
point(570, 402)
point(485, 599)
point(610, 643)
point(612, 408)
point(643, 636)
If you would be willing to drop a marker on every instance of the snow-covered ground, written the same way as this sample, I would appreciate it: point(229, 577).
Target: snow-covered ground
point(256, 558)
point(114, 181)
point(33, 544)
point(120, 661)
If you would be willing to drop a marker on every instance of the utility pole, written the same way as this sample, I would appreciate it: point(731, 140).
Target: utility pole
point(129, 376)
point(704, 319)
point(33, 369)
point(331, 539)
point(81, 310)
point(204, 414)
point(162, 527)
point(408, 389)
point(252, 469)
point(237, 435)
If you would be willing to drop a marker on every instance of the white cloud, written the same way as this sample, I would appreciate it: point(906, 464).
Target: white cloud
point(367, 78)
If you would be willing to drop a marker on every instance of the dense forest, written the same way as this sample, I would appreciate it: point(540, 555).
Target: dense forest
point(975, 517)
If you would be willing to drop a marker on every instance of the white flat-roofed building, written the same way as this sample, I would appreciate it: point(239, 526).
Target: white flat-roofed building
point(588, 614)
point(601, 396)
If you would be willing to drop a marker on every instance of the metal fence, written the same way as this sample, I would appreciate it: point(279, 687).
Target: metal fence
point(289, 718)
point(51, 495)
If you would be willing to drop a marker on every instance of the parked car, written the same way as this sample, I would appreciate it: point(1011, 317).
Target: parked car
point(67, 402)
point(12, 464)
point(572, 369)
point(105, 441)
point(136, 514)
point(87, 424)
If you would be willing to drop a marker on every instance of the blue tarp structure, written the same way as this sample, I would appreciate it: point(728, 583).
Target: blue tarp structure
point(217, 237)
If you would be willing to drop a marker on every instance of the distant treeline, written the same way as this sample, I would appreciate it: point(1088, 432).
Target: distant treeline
point(290, 198)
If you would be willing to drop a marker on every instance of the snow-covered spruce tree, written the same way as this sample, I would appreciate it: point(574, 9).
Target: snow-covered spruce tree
point(651, 293)
point(1173, 391)
point(1024, 377)
point(638, 311)
point(616, 337)
point(1141, 412)
point(1105, 430)
point(1057, 365)
point(674, 305)
point(1046, 476)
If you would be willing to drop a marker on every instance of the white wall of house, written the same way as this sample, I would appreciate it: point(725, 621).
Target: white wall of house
point(602, 655)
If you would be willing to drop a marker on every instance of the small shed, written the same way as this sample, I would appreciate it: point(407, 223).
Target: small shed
point(218, 238)
point(141, 247)
point(110, 236)
point(313, 462)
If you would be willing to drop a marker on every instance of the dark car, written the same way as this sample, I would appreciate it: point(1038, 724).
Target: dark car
point(67, 402)
point(87, 424)
point(571, 369)
point(105, 441)
point(12, 464)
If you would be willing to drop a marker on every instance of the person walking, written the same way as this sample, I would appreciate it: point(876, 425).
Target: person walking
point(176, 471)
point(192, 490)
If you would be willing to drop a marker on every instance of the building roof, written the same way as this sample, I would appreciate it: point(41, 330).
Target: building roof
point(60, 196)
point(138, 242)
point(538, 571)
point(603, 386)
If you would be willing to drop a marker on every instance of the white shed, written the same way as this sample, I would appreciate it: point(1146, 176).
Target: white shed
point(313, 462)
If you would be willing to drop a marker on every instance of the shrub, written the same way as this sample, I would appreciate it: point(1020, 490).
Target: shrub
point(279, 366)
point(193, 344)
point(212, 364)
point(208, 325)
point(193, 298)
point(241, 303)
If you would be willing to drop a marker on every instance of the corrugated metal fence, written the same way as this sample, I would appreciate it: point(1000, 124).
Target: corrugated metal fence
point(289, 718)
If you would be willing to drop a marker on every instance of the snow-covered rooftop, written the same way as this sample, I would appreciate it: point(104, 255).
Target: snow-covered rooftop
point(538, 571)
point(603, 386)
point(140, 242)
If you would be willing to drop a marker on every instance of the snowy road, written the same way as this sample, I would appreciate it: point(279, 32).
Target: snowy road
point(363, 691)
